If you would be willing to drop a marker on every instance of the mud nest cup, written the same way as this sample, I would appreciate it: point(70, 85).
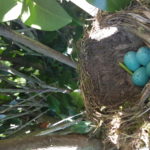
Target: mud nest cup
point(116, 106)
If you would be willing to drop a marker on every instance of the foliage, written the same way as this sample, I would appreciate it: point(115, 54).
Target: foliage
point(10, 7)
point(33, 86)
point(44, 15)
point(24, 69)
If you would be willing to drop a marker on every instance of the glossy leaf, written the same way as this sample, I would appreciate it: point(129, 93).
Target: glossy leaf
point(45, 15)
point(110, 5)
point(10, 10)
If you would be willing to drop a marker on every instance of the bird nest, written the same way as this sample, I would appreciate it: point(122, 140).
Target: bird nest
point(118, 108)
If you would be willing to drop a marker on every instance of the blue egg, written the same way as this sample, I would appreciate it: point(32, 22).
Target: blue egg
point(140, 77)
point(130, 61)
point(143, 55)
point(148, 69)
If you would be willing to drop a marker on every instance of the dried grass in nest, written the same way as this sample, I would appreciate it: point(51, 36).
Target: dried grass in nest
point(126, 124)
point(136, 20)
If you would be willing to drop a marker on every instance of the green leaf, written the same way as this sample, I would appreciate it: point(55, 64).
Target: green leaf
point(54, 104)
point(45, 15)
point(110, 5)
point(82, 127)
point(77, 98)
point(10, 10)
point(2, 135)
point(4, 98)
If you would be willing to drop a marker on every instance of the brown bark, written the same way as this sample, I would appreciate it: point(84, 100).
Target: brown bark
point(26, 143)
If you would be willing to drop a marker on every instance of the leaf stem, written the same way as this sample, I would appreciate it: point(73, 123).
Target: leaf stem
point(125, 68)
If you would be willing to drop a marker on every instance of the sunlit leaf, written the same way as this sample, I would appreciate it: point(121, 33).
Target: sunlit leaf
point(110, 5)
point(6, 63)
point(2, 135)
point(45, 15)
point(82, 127)
point(20, 81)
point(77, 98)
point(10, 10)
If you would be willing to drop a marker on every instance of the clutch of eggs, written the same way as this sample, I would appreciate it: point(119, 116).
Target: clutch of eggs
point(139, 63)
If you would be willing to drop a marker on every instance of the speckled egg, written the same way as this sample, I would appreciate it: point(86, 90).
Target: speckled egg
point(140, 77)
point(130, 60)
point(143, 55)
point(148, 69)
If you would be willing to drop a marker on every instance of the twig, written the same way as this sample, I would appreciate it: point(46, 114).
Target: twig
point(25, 100)
point(28, 51)
point(31, 80)
point(143, 112)
point(65, 123)
point(26, 105)
point(22, 114)
point(15, 72)
point(25, 29)
point(14, 84)
point(67, 119)
point(23, 126)
point(145, 94)
point(29, 90)
point(36, 46)
point(59, 127)
point(44, 85)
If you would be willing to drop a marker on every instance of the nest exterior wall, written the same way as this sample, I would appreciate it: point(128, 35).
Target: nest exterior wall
point(105, 86)
point(102, 80)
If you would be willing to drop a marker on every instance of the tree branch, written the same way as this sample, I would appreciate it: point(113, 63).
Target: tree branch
point(57, 142)
point(35, 81)
point(2, 90)
point(36, 46)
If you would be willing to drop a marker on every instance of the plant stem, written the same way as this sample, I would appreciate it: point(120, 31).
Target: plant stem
point(125, 68)
point(36, 46)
